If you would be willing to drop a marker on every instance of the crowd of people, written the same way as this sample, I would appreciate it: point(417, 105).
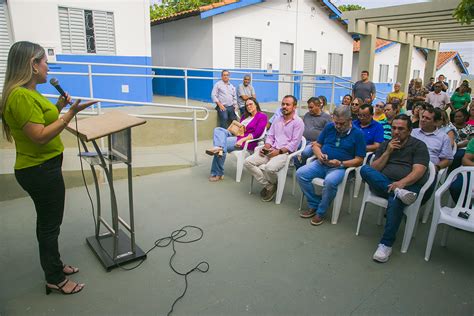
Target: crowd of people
point(403, 135)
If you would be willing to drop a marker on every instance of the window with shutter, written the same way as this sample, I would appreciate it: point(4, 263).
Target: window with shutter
point(247, 53)
point(416, 74)
point(86, 31)
point(383, 73)
point(335, 64)
point(5, 42)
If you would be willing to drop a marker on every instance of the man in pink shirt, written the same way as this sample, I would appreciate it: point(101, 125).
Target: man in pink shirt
point(283, 138)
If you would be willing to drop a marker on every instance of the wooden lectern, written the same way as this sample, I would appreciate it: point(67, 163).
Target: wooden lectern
point(113, 247)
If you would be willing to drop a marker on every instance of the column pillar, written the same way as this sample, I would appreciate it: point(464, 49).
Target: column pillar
point(404, 65)
point(430, 66)
point(367, 54)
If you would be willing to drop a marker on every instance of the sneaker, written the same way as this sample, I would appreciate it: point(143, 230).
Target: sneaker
point(270, 194)
point(308, 213)
point(317, 220)
point(407, 197)
point(382, 253)
point(263, 192)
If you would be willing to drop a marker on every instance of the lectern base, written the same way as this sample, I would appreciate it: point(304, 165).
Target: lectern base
point(104, 251)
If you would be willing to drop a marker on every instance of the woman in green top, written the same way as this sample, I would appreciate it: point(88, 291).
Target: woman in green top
point(459, 100)
point(34, 123)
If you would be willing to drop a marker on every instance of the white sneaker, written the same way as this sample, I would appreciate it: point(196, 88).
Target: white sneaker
point(382, 253)
point(407, 197)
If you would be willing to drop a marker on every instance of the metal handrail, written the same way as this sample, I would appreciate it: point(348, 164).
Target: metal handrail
point(194, 109)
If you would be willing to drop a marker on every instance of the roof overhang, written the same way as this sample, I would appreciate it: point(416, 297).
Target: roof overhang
point(423, 25)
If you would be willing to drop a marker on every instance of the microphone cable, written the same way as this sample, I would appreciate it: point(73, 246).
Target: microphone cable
point(175, 237)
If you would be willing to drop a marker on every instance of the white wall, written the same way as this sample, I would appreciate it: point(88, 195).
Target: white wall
point(38, 21)
point(389, 56)
point(451, 72)
point(183, 43)
point(273, 22)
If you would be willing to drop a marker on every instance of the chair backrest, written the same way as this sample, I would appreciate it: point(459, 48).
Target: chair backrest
point(431, 178)
point(467, 194)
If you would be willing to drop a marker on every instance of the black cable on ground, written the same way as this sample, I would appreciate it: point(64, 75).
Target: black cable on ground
point(175, 237)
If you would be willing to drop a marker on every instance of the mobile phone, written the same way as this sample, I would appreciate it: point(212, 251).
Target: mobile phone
point(266, 151)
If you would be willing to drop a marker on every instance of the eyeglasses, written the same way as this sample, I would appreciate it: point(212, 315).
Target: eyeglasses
point(353, 103)
point(364, 115)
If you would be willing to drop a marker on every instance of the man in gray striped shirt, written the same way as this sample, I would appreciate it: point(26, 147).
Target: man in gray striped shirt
point(225, 97)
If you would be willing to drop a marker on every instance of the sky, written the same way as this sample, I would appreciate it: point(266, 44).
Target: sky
point(465, 49)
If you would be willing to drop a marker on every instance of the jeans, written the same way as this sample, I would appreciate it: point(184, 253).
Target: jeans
point(457, 160)
point(225, 116)
point(332, 178)
point(242, 110)
point(224, 139)
point(378, 184)
point(45, 185)
point(305, 154)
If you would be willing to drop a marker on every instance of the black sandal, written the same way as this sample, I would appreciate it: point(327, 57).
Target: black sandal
point(74, 269)
point(60, 288)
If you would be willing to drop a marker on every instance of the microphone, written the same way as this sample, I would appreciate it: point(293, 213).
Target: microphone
point(55, 83)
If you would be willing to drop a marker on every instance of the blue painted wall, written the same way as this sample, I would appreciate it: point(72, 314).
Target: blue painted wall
point(140, 89)
point(200, 89)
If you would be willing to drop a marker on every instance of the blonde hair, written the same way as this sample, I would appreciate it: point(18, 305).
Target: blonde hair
point(19, 72)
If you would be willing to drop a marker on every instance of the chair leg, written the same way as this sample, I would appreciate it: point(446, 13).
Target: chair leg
point(357, 184)
point(444, 239)
point(361, 214)
point(280, 186)
point(251, 185)
point(337, 203)
point(431, 236)
point(409, 228)
point(351, 193)
point(427, 209)
point(301, 201)
point(293, 190)
point(240, 167)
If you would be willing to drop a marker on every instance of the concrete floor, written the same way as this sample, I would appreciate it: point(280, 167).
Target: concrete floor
point(264, 259)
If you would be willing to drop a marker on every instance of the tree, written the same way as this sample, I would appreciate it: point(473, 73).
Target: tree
point(350, 7)
point(169, 7)
point(464, 12)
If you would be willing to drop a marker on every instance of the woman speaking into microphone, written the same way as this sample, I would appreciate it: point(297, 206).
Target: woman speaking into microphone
point(33, 122)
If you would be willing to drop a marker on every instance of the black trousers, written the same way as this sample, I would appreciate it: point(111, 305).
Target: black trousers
point(45, 185)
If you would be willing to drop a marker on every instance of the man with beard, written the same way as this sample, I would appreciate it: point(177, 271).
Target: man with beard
point(283, 138)
point(339, 146)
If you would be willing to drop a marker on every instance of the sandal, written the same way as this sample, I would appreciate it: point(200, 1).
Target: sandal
point(77, 288)
point(74, 269)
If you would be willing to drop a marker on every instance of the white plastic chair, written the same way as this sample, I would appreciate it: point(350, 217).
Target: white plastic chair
point(410, 211)
point(442, 174)
point(449, 215)
point(358, 178)
point(338, 199)
point(282, 173)
point(240, 155)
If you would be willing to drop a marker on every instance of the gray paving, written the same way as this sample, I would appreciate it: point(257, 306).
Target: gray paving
point(264, 259)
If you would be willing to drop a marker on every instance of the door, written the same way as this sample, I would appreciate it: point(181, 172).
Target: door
point(309, 67)
point(5, 41)
point(286, 67)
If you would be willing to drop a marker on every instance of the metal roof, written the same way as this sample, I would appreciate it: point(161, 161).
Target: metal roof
point(424, 24)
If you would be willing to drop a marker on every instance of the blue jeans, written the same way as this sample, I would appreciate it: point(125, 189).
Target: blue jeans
point(378, 184)
point(224, 139)
point(305, 154)
point(225, 116)
point(332, 178)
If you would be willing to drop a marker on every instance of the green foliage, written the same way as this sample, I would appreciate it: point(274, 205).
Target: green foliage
point(169, 7)
point(350, 7)
point(464, 12)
